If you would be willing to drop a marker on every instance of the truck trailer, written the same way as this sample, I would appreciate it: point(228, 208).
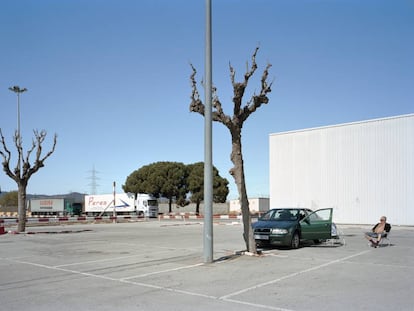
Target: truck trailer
point(54, 206)
point(141, 204)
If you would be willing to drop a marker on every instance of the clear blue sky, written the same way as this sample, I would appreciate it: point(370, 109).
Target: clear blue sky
point(111, 78)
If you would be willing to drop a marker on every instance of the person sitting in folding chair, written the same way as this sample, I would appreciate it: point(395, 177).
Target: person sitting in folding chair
point(379, 231)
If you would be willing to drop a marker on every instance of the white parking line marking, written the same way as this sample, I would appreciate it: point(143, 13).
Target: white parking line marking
point(64, 270)
point(118, 280)
point(169, 289)
point(164, 250)
point(162, 271)
point(291, 275)
point(277, 255)
point(95, 261)
point(226, 298)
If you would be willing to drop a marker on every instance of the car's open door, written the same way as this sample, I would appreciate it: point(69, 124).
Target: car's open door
point(317, 225)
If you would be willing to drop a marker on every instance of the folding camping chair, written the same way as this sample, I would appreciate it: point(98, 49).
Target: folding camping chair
point(385, 239)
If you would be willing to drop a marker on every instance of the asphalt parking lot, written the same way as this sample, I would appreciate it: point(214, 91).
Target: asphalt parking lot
point(158, 265)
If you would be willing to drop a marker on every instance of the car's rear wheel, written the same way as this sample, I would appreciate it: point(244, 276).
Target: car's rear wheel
point(295, 241)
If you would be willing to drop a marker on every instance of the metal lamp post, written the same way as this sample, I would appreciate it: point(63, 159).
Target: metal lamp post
point(208, 154)
point(18, 91)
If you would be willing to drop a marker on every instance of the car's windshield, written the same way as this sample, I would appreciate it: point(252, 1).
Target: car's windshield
point(281, 214)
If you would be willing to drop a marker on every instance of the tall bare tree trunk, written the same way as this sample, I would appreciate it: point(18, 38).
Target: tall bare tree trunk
point(198, 207)
point(235, 124)
point(24, 170)
point(21, 203)
point(238, 174)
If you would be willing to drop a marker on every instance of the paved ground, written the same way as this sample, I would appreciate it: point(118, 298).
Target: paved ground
point(158, 266)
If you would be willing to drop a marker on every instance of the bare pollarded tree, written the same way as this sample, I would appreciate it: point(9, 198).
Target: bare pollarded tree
point(235, 124)
point(24, 170)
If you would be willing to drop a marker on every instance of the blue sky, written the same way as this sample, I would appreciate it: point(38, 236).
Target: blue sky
point(111, 78)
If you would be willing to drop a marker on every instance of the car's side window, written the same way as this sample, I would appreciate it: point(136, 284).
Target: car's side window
point(302, 214)
point(313, 217)
point(321, 215)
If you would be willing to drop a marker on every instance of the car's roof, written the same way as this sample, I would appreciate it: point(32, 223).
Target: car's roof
point(290, 208)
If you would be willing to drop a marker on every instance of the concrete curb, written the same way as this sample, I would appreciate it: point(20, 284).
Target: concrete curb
point(54, 220)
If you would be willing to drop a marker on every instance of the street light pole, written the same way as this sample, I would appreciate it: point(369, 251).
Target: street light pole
point(208, 153)
point(18, 91)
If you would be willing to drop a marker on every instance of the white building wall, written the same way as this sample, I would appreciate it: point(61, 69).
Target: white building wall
point(363, 170)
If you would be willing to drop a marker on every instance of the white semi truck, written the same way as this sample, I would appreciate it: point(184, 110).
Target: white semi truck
point(125, 203)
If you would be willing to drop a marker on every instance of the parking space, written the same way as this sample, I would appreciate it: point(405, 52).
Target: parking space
point(157, 265)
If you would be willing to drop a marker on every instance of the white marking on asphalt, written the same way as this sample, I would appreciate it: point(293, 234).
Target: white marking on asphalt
point(118, 280)
point(277, 255)
point(226, 298)
point(94, 261)
point(112, 259)
point(162, 271)
point(169, 289)
point(291, 275)
point(65, 270)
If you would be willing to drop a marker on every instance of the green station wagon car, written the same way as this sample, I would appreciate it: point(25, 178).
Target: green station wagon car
point(291, 226)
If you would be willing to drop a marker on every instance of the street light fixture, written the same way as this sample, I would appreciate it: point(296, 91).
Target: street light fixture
point(18, 91)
